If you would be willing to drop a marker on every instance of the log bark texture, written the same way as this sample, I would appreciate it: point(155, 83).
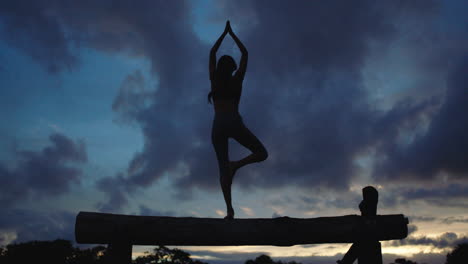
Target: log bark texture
point(100, 228)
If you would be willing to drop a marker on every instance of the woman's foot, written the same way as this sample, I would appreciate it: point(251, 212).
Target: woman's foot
point(230, 214)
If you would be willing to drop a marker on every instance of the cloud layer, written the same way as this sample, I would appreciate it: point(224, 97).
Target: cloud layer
point(45, 173)
point(304, 95)
point(38, 175)
point(446, 240)
point(442, 149)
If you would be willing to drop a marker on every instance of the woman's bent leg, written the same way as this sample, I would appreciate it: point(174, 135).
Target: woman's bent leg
point(246, 138)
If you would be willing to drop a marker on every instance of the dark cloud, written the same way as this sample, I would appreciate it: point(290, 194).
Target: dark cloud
point(144, 210)
point(446, 240)
point(134, 96)
point(44, 173)
point(35, 175)
point(36, 30)
point(317, 201)
point(453, 195)
point(304, 37)
point(454, 219)
point(28, 225)
point(415, 218)
point(175, 124)
point(443, 192)
point(51, 31)
point(447, 220)
point(116, 190)
point(161, 31)
point(412, 229)
point(442, 149)
point(443, 195)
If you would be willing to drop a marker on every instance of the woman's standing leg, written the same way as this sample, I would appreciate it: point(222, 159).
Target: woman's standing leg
point(220, 143)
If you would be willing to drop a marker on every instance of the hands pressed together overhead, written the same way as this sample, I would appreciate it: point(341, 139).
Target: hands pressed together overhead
point(228, 28)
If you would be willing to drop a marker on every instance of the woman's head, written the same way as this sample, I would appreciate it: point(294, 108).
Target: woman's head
point(226, 65)
point(224, 69)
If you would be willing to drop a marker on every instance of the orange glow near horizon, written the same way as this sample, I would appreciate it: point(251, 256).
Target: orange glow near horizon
point(323, 250)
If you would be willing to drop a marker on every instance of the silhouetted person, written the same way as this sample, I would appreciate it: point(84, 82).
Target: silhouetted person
point(226, 90)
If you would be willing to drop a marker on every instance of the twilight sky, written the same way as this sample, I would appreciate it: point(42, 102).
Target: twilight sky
point(104, 108)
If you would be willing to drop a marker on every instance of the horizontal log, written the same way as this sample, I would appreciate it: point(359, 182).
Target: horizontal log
point(99, 228)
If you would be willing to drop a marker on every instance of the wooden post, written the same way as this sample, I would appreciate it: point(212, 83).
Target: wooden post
point(367, 248)
point(119, 249)
point(119, 252)
point(371, 251)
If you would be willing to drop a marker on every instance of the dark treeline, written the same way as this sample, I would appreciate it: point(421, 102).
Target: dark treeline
point(264, 259)
point(63, 252)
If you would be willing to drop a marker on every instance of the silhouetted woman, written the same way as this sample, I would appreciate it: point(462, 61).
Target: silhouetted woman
point(226, 90)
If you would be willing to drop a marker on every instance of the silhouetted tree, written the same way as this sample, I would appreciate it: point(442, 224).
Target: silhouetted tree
point(459, 255)
point(162, 254)
point(264, 259)
point(62, 252)
point(95, 255)
point(51, 252)
point(403, 261)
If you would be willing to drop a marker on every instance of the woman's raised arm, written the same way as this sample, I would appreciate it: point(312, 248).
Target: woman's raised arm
point(245, 55)
point(214, 49)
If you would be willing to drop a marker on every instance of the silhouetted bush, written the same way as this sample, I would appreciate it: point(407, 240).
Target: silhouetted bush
point(459, 255)
point(162, 254)
point(264, 259)
point(62, 252)
point(403, 261)
point(51, 252)
point(95, 255)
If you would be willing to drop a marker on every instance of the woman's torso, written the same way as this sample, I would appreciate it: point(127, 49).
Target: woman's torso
point(226, 95)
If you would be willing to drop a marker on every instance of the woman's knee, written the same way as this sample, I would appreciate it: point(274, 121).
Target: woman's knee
point(223, 172)
point(262, 154)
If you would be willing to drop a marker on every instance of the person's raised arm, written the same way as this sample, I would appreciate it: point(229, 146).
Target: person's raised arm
point(245, 55)
point(214, 49)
